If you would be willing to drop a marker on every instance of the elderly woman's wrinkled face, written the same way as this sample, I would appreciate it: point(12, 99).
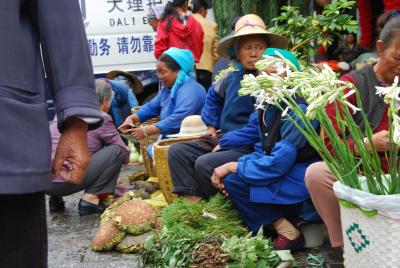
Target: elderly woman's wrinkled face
point(251, 48)
point(389, 62)
point(166, 75)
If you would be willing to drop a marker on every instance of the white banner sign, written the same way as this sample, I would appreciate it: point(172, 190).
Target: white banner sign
point(119, 36)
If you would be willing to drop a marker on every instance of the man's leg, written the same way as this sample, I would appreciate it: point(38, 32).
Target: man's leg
point(105, 168)
point(205, 165)
point(319, 181)
point(181, 160)
point(23, 231)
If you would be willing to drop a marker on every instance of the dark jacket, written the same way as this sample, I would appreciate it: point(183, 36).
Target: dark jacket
point(24, 136)
point(224, 109)
point(347, 54)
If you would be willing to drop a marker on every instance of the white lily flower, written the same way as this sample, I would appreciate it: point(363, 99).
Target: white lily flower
point(348, 94)
point(396, 128)
point(352, 107)
point(333, 96)
point(284, 113)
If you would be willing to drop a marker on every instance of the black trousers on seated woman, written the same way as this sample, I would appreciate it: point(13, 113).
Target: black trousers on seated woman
point(192, 165)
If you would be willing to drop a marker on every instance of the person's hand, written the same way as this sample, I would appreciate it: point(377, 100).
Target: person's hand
point(270, 69)
point(220, 173)
point(216, 148)
point(137, 133)
point(380, 140)
point(72, 156)
point(128, 124)
point(212, 131)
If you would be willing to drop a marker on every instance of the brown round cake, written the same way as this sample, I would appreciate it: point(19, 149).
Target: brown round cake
point(134, 216)
point(107, 237)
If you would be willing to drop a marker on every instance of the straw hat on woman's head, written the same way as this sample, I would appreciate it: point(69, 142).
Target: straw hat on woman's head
point(134, 82)
point(250, 25)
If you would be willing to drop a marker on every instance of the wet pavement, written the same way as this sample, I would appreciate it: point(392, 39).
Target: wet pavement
point(70, 237)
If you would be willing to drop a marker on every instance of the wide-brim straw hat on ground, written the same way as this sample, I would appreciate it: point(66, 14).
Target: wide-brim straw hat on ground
point(136, 84)
point(251, 25)
point(191, 126)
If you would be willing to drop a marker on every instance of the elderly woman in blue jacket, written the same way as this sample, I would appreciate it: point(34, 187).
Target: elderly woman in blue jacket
point(179, 97)
point(267, 186)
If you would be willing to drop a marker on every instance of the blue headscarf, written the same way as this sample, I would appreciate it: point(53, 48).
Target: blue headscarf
point(285, 53)
point(185, 60)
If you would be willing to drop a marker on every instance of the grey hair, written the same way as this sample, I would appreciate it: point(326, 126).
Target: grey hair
point(103, 90)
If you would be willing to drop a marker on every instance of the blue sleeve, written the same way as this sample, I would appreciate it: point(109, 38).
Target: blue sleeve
point(258, 168)
point(291, 133)
point(212, 108)
point(189, 100)
point(116, 114)
point(132, 100)
point(151, 109)
point(244, 137)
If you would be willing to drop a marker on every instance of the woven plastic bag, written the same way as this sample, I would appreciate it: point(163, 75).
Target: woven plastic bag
point(370, 228)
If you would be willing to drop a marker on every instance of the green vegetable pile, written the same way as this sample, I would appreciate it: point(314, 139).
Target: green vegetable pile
point(251, 252)
point(206, 234)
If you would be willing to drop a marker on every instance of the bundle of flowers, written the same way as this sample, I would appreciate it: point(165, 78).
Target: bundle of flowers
point(320, 87)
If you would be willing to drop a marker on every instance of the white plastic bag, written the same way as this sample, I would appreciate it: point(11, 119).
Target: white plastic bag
point(386, 205)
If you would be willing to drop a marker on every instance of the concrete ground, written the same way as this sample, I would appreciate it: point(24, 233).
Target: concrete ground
point(70, 237)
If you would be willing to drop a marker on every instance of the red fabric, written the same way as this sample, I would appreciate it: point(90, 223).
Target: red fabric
point(391, 4)
point(321, 50)
point(331, 112)
point(366, 24)
point(102, 196)
point(333, 64)
point(189, 36)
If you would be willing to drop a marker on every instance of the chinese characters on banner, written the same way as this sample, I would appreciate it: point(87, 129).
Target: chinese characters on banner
point(118, 34)
point(124, 45)
point(131, 5)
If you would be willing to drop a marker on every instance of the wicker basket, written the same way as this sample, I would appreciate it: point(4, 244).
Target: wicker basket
point(144, 143)
point(148, 162)
point(161, 158)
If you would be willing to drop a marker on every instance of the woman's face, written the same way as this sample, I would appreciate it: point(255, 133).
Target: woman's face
point(389, 63)
point(105, 104)
point(251, 48)
point(166, 75)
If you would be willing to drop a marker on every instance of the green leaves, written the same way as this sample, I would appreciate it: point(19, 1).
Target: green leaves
point(306, 33)
point(188, 225)
point(251, 252)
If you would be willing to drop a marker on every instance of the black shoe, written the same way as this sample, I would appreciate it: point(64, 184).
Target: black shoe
point(86, 207)
point(56, 204)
